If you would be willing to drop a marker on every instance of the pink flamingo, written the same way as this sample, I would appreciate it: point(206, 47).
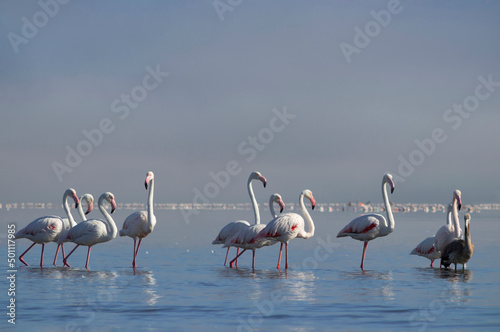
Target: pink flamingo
point(426, 247)
point(370, 226)
point(245, 237)
point(235, 226)
point(287, 227)
point(140, 223)
point(92, 231)
point(47, 229)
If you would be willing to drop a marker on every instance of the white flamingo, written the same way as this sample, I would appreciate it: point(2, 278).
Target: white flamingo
point(140, 223)
point(245, 238)
point(47, 229)
point(287, 227)
point(426, 247)
point(451, 232)
point(235, 226)
point(93, 231)
point(370, 226)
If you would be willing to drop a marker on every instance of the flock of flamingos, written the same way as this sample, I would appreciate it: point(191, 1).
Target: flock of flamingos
point(447, 244)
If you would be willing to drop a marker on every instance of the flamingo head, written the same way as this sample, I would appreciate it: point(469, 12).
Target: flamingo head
point(277, 199)
point(388, 179)
point(467, 222)
point(71, 192)
point(110, 198)
point(309, 195)
point(149, 176)
point(90, 202)
point(457, 195)
point(257, 176)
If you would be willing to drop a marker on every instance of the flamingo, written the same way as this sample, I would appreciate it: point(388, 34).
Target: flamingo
point(140, 223)
point(235, 226)
point(426, 247)
point(93, 231)
point(370, 226)
point(83, 215)
point(245, 237)
point(448, 233)
point(459, 251)
point(288, 226)
point(47, 229)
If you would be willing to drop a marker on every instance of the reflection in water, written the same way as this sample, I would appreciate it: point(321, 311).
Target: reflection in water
point(363, 283)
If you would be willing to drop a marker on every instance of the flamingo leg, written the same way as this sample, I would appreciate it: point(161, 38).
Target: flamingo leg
point(364, 253)
point(279, 258)
point(135, 253)
point(41, 259)
point(57, 253)
point(237, 255)
point(432, 262)
point(66, 258)
point(286, 252)
point(236, 259)
point(21, 257)
point(253, 260)
point(88, 257)
point(227, 253)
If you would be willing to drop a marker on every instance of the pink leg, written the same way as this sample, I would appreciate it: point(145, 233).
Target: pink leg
point(133, 260)
point(88, 257)
point(41, 259)
point(286, 252)
point(135, 253)
point(364, 253)
point(66, 258)
point(279, 259)
point(432, 262)
point(227, 253)
point(236, 258)
point(237, 255)
point(21, 257)
point(57, 253)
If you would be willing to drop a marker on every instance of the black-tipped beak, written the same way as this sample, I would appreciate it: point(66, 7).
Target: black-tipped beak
point(265, 182)
point(392, 190)
point(146, 185)
point(312, 207)
point(459, 207)
point(112, 210)
point(76, 205)
point(281, 210)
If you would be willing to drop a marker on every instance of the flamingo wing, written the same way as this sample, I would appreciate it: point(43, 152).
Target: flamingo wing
point(42, 230)
point(86, 233)
point(243, 238)
point(134, 224)
point(363, 228)
point(229, 230)
point(282, 228)
point(426, 249)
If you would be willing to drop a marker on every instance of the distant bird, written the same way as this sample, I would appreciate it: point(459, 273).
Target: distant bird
point(93, 231)
point(245, 238)
point(140, 223)
point(287, 227)
point(47, 229)
point(450, 232)
point(459, 251)
point(370, 226)
point(235, 226)
point(426, 247)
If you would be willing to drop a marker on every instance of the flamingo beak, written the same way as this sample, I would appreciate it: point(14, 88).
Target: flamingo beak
point(75, 198)
point(113, 205)
point(392, 190)
point(89, 208)
point(148, 178)
point(313, 203)
point(264, 181)
point(282, 206)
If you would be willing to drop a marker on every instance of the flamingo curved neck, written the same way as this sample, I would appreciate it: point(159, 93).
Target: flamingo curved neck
point(307, 217)
point(254, 202)
point(388, 208)
point(456, 221)
point(110, 223)
point(67, 210)
point(271, 207)
point(151, 219)
point(449, 216)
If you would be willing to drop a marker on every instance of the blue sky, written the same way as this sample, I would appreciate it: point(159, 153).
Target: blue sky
point(218, 88)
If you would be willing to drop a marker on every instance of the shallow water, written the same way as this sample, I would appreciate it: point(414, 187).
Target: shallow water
point(182, 285)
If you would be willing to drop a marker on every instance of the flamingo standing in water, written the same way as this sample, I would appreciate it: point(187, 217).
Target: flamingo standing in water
point(426, 247)
point(93, 231)
point(140, 223)
point(83, 215)
point(245, 238)
point(287, 227)
point(451, 232)
point(370, 226)
point(459, 251)
point(47, 229)
point(235, 226)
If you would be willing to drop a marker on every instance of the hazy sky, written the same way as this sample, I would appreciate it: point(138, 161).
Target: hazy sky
point(325, 95)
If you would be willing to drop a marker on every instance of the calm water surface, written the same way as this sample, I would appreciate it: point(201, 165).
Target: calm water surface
point(182, 285)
